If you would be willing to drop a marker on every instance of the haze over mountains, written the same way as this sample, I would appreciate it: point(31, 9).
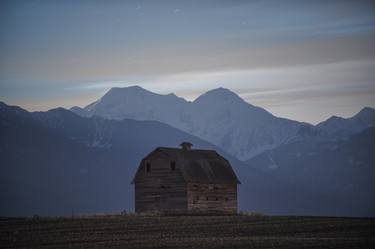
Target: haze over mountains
point(85, 162)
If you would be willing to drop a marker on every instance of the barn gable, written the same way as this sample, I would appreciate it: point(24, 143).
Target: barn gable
point(200, 166)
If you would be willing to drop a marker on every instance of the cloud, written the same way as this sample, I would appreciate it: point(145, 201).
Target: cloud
point(274, 54)
point(96, 85)
point(306, 92)
point(87, 65)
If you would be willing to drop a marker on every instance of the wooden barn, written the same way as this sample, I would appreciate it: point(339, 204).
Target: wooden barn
point(185, 180)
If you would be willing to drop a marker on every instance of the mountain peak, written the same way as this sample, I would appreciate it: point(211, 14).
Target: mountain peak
point(366, 115)
point(221, 91)
point(59, 111)
point(366, 111)
point(118, 94)
point(135, 90)
point(334, 118)
point(130, 89)
point(219, 94)
point(360, 121)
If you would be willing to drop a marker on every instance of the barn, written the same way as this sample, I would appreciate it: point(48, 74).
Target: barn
point(185, 179)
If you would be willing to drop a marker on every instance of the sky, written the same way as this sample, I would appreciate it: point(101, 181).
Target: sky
point(303, 60)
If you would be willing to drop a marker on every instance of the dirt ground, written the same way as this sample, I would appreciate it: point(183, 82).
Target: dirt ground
point(130, 231)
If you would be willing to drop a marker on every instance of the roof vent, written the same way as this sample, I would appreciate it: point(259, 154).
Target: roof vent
point(186, 146)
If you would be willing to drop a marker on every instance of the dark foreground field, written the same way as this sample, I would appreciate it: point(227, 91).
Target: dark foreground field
point(188, 232)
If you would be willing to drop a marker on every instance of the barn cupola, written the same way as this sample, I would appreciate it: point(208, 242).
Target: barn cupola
point(186, 146)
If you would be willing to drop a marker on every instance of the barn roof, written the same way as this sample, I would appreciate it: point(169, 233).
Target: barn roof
point(201, 166)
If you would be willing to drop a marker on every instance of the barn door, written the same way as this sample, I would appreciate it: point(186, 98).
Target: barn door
point(161, 203)
point(164, 205)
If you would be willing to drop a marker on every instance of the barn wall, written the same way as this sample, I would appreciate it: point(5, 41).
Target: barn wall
point(212, 197)
point(161, 188)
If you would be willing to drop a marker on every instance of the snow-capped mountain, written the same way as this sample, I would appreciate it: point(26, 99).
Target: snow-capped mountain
point(219, 116)
point(341, 127)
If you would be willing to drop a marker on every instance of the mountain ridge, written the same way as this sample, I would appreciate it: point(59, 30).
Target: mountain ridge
point(343, 127)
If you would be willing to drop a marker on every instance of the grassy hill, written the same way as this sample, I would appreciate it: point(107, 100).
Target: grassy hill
point(242, 231)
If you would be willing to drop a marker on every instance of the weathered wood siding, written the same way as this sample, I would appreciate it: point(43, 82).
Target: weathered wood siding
point(162, 188)
point(212, 197)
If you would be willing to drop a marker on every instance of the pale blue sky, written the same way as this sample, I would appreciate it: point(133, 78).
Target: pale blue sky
point(304, 60)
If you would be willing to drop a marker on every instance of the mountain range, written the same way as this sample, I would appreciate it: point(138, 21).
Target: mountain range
point(58, 163)
point(82, 160)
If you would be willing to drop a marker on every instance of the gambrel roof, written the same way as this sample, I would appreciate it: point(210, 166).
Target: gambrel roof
point(199, 166)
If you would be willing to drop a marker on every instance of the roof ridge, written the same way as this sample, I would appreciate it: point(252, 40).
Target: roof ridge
point(179, 149)
point(200, 165)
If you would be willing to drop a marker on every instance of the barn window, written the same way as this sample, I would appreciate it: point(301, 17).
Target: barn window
point(173, 166)
point(207, 198)
point(196, 199)
point(165, 186)
point(216, 199)
point(148, 167)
